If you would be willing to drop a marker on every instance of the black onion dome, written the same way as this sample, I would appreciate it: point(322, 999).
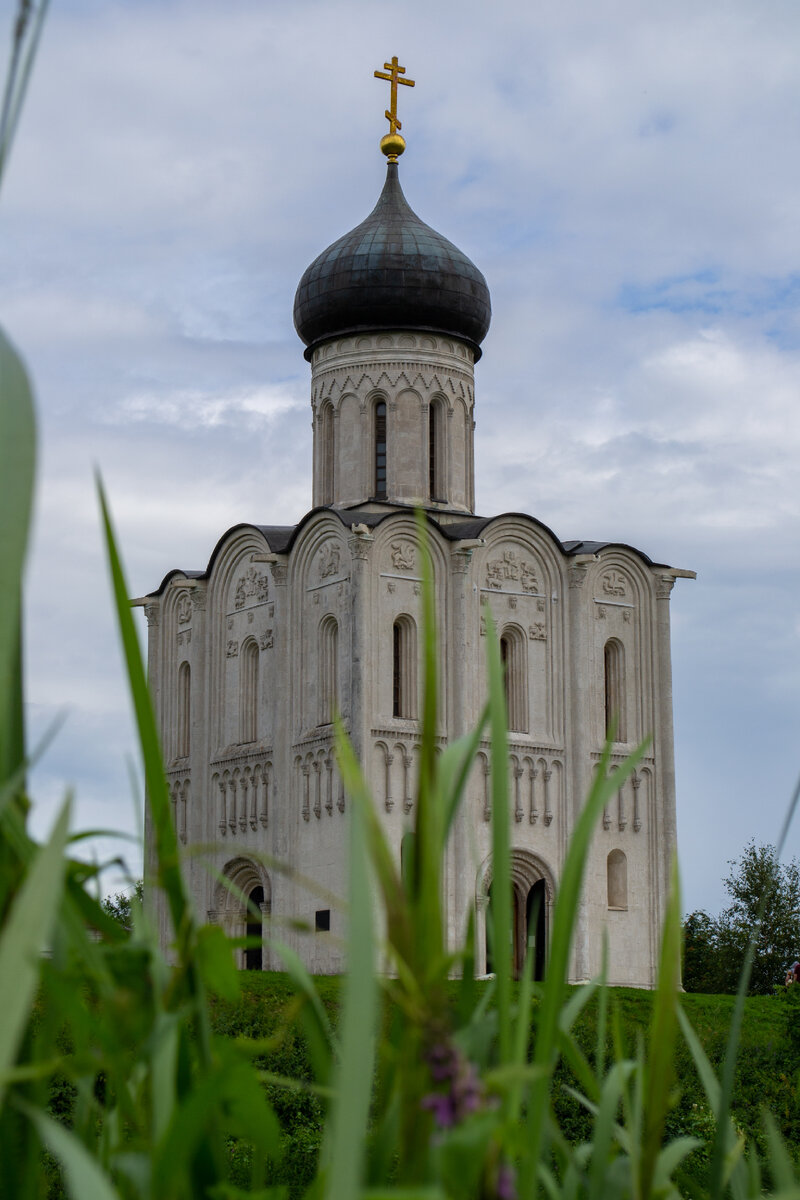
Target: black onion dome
point(392, 272)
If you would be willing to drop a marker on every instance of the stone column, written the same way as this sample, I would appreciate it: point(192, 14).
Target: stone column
point(664, 748)
point(154, 896)
point(579, 732)
point(458, 885)
point(360, 544)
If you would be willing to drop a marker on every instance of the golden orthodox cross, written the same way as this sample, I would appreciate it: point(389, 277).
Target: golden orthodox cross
point(395, 71)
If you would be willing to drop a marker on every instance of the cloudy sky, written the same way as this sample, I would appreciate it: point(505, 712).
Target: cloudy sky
point(627, 177)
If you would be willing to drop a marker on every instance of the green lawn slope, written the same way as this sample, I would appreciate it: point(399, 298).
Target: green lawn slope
point(767, 1075)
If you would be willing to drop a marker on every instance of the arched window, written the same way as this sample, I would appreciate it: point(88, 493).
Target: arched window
point(248, 692)
point(328, 454)
point(514, 654)
point(328, 669)
point(380, 450)
point(404, 668)
point(614, 672)
point(183, 739)
point(436, 449)
point(617, 872)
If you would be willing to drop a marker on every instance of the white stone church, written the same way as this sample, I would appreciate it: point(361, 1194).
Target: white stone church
point(249, 658)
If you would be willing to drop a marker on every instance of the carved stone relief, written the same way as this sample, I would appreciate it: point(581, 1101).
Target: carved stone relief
point(232, 649)
point(402, 556)
point(538, 632)
point(266, 641)
point(184, 637)
point(184, 609)
point(252, 587)
point(614, 583)
point(329, 557)
point(509, 569)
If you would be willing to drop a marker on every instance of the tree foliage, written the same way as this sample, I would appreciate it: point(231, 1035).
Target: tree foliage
point(120, 906)
point(764, 894)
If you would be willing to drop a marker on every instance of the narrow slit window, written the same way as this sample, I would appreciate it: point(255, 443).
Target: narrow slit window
point(184, 710)
point(328, 455)
point(328, 670)
point(248, 693)
point(614, 672)
point(380, 450)
point(404, 668)
point(513, 654)
point(617, 872)
point(435, 451)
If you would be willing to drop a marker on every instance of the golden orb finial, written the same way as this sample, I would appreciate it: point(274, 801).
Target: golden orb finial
point(393, 145)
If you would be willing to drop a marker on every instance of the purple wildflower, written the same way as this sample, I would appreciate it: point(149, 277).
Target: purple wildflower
point(506, 1187)
point(463, 1094)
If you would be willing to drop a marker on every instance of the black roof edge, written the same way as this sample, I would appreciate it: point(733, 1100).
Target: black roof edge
point(281, 538)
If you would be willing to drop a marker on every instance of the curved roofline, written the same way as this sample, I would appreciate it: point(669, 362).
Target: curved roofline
point(280, 539)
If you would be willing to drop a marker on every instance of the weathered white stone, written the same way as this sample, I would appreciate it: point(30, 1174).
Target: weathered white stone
point(276, 620)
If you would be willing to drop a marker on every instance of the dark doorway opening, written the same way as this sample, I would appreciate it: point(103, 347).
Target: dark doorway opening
point(254, 955)
point(528, 924)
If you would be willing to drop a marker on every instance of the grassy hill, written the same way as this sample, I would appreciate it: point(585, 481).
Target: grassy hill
point(767, 1075)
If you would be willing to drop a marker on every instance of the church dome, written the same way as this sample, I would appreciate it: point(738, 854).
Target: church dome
point(392, 272)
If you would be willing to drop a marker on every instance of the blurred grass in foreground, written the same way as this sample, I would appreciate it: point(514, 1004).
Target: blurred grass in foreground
point(114, 1084)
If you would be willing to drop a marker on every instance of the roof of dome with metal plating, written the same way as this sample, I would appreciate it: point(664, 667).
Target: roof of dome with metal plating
point(392, 272)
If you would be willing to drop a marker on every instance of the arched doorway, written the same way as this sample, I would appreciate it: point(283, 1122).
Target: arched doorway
point(532, 894)
point(242, 901)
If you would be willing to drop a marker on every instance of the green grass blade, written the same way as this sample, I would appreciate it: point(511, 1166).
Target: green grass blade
point(704, 1068)
point(347, 1130)
point(84, 1178)
point(155, 779)
point(455, 764)
point(604, 1125)
point(780, 1162)
point(661, 1042)
point(17, 470)
point(565, 910)
point(500, 909)
point(430, 819)
point(25, 936)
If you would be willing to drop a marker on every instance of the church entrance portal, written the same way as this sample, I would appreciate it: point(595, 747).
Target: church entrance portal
point(528, 928)
point(532, 893)
point(242, 902)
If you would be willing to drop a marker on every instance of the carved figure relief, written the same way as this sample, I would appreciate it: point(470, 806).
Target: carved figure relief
point(538, 632)
point(184, 637)
point(402, 556)
point(252, 586)
point(510, 569)
point(613, 583)
point(184, 609)
point(266, 641)
point(232, 649)
point(329, 557)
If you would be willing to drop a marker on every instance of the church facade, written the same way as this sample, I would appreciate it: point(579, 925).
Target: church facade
point(249, 658)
